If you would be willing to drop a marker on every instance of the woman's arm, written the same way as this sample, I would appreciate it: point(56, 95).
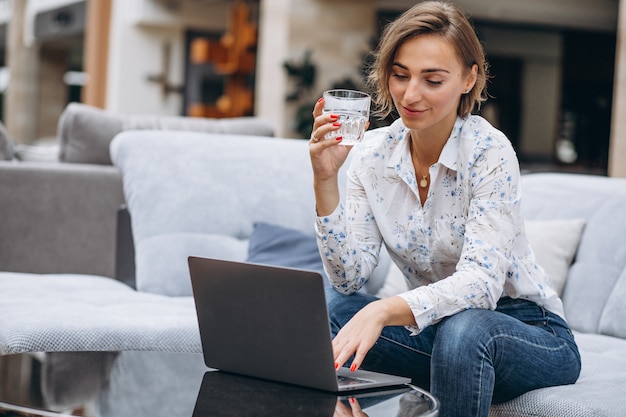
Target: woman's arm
point(349, 257)
point(349, 239)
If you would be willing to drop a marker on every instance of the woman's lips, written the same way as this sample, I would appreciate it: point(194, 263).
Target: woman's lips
point(413, 113)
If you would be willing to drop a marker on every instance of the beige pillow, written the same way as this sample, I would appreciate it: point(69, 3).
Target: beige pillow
point(555, 243)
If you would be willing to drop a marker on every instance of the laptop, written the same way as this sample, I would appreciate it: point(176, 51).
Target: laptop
point(271, 322)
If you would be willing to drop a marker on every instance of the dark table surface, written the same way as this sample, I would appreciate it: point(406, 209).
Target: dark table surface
point(112, 384)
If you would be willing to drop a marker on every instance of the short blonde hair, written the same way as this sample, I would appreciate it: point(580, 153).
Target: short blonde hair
point(429, 17)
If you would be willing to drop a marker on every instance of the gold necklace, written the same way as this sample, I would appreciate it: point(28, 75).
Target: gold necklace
point(424, 181)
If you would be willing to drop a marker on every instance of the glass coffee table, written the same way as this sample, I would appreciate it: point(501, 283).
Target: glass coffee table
point(120, 384)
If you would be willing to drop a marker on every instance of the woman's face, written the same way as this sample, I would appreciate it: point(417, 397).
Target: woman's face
point(426, 84)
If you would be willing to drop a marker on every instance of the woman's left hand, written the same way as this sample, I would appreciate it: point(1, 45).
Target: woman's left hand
point(363, 330)
point(358, 335)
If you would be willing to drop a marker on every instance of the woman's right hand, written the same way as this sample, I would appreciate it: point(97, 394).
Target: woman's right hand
point(327, 157)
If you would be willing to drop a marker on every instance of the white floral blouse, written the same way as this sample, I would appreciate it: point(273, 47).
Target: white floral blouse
point(464, 248)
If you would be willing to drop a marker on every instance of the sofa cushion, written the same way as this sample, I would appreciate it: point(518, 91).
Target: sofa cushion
point(596, 279)
point(69, 312)
point(162, 259)
point(614, 314)
point(189, 184)
point(272, 244)
point(85, 132)
point(554, 243)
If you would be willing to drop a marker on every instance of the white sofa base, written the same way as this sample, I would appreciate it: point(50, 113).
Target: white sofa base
point(65, 312)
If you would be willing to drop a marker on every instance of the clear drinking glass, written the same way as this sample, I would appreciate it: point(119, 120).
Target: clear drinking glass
point(353, 109)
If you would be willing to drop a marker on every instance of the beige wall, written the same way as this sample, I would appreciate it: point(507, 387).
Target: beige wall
point(22, 94)
point(337, 32)
point(617, 150)
point(273, 47)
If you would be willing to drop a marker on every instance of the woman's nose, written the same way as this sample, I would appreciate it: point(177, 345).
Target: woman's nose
point(413, 92)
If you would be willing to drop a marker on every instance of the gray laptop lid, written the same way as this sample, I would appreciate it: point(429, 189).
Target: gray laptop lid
point(266, 322)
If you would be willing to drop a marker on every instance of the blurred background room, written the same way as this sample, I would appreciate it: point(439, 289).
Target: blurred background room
point(556, 87)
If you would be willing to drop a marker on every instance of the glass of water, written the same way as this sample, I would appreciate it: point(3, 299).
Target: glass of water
point(353, 109)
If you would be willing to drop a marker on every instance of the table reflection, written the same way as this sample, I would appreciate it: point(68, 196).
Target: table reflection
point(106, 384)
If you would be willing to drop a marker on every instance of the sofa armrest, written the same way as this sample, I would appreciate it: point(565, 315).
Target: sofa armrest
point(59, 218)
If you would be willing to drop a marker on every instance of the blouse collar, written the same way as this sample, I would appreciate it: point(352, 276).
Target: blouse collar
point(401, 153)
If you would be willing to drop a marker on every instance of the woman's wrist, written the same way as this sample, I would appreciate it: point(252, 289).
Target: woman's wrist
point(394, 311)
point(326, 196)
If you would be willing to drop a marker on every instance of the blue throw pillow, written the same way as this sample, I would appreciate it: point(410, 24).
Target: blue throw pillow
point(275, 245)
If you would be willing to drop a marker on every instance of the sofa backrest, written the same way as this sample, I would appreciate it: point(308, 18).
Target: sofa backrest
point(200, 194)
point(85, 132)
point(595, 289)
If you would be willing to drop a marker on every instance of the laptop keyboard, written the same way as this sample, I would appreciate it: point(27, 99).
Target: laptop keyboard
point(349, 380)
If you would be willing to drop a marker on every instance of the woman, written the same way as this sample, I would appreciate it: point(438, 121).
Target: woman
point(441, 189)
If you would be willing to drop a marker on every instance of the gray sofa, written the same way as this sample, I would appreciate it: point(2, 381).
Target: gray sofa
point(61, 216)
point(249, 198)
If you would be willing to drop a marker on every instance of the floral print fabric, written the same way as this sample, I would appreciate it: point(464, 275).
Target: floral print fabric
point(464, 247)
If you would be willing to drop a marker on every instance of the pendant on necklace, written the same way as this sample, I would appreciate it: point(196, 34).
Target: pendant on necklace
point(424, 181)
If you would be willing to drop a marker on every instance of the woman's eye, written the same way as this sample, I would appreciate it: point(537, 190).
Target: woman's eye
point(400, 76)
point(434, 83)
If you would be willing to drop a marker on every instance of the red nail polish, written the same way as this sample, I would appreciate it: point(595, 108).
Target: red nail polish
point(353, 367)
point(352, 400)
point(336, 124)
point(320, 100)
point(336, 366)
point(334, 116)
point(338, 138)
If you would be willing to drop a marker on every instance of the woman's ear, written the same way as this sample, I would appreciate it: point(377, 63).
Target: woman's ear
point(471, 78)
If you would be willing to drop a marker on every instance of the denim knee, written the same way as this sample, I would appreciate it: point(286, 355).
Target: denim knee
point(333, 297)
point(457, 332)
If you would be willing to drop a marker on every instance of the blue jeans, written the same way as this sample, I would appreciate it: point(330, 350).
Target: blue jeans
point(474, 358)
